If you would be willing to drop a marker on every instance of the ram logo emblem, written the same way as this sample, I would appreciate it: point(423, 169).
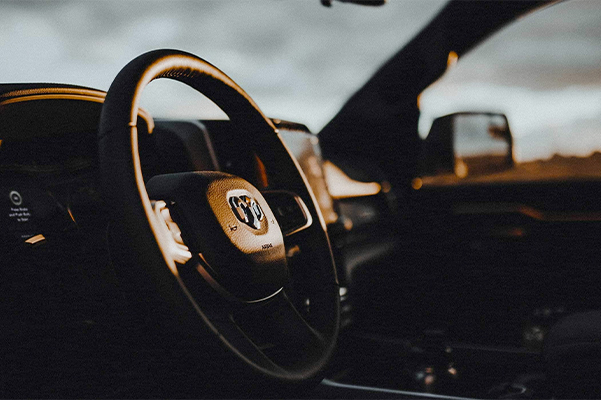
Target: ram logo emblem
point(247, 210)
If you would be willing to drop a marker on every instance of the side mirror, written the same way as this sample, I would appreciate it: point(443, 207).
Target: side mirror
point(468, 143)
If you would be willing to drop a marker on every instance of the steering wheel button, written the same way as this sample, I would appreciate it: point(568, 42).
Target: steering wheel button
point(175, 232)
point(171, 234)
point(166, 215)
point(290, 210)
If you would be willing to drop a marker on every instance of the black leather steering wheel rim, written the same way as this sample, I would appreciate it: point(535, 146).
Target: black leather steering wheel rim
point(124, 191)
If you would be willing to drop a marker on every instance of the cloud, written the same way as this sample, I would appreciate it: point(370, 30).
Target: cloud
point(544, 72)
point(301, 61)
point(298, 59)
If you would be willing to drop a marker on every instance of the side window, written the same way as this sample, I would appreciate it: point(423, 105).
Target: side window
point(544, 73)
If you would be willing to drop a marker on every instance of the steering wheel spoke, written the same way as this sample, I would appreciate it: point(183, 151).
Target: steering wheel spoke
point(280, 322)
point(272, 333)
point(237, 338)
point(290, 211)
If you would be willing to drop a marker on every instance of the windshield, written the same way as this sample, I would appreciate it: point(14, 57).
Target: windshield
point(544, 72)
point(298, 60)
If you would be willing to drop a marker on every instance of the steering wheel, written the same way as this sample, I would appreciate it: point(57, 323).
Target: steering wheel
point(220, 262)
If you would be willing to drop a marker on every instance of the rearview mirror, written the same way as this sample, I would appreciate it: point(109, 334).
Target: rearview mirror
point(468, 143)
point(328, 3)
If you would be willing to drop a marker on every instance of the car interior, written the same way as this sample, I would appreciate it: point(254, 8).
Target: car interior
point(249, 257)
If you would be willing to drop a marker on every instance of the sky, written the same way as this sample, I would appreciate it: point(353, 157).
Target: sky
point(543, 72)
point(297, 59)
point(301, 61)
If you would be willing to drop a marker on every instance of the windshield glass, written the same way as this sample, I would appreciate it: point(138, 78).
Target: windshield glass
point(544, 73)
point(299, 60)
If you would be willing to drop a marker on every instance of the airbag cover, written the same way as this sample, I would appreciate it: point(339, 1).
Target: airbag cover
point(229, 224)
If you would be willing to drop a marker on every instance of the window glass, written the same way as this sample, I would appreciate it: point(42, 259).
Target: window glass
point(298, 60)
point(544, 73)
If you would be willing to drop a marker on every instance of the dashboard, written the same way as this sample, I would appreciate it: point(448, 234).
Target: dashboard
point(49, 179)
point(46, 183)
point(56, 227)
point(403, 263)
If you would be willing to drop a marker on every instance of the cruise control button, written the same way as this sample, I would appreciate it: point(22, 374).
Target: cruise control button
point(290, 210)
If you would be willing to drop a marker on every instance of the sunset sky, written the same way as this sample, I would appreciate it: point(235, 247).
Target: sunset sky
point(301, 61)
